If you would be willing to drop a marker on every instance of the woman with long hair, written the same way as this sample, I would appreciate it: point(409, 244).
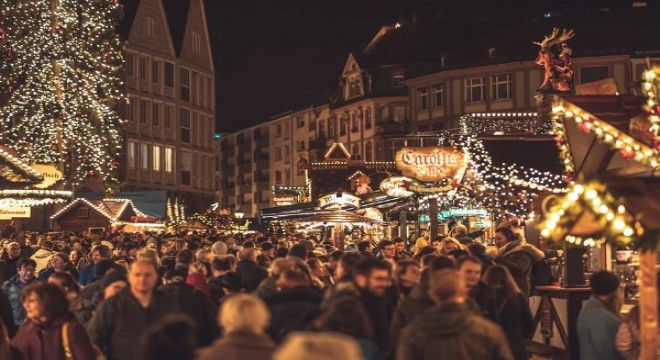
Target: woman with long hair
point(59, 262)
point(81, 308)
point(511, 309)
point(51, 331)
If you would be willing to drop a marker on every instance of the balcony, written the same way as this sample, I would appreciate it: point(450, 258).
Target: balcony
point(391, 128)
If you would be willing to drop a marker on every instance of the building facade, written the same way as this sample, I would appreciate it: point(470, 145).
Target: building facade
point(170, 82)
point(423, 76)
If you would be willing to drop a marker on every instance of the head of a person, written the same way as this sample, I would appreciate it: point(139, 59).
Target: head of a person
point(292, 279)
point(25, 269)
point(43, 301)
point(300, 251)
point(347, 264)
point(605, 286)
point(184, 257)
point(267, 248)
point(407, 272)
point(504, 235)
point(264, 261)
point(420, 253)
point(317, 268)
point(459, 231)
point(333, 259)
point(198, 268)
point(373, 275)
point(13, 250)
point(321, 346)
point(426, 260)
point(231, 283)
point(112, 283)
point(436, 243)
point(202, 255)
point(101, 252)
point(142, 276)
point(59, 261)
point(65, 281)
point(248, 254)
point(399, 245)
point(387, 249)
point(244, 313)
point(219, 248)
point(364, 246)
point(470, 267)
point(281, 265)
point(345, 315)
point(223, 264)
point(448, 245)
point(442, 262)
point(498, 277)
point(445, 286)
point(476, 249)
point(172, 337)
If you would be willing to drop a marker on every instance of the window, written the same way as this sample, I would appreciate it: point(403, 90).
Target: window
point(321, 127)
point(501, 86)
point(144, 156)
point(185, 125)
point(300, 122)
point(438, 126)
point(169, 160)
point(399, 114)
point(354, 88)
point(474, 89)
point(155, 114)
point(287, 154)
point(150, 26)
point(130, 154)
point(144, 107)
point(356, 152)
point(194, 85)
point(184, 84)
point(155, 71)
point(196, 42)
point(300, 145)
point(422, 99)
point(278, 130)
point(144, 68)
point(278, 177)
point(397, 78)
point(312, 124)
point(169, 74)
point(367, 118)
point(594, 73)
point(130, 64)
point(156, 158)
point(278, 154)
point(354, 122)
point(437, 91)
point(368, 152)
point(287, 176)
point(186, 167)
point(331, 128)
point(167, 116)
point(344, 125)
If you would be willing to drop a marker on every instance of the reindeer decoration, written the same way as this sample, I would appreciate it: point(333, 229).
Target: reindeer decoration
point(558, 72)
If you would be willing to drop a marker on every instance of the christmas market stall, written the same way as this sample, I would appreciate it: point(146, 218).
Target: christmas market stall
point(106, 215)
point(27, 192)
point(609, 147)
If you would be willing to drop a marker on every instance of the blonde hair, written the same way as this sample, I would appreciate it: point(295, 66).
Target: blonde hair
point(244, 312)
point(447, 240)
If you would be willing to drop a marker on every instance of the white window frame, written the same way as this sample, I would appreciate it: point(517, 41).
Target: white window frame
point(438, 93)
point(475, 83)
point(156, 70)
point(169, 159)
point(498, 80)
point(186, 161)
point(144, 156)
point(131, 152)
point(422, 99)
point(156, 158)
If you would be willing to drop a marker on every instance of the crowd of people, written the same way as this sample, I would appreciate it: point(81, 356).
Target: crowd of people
point(206, 296)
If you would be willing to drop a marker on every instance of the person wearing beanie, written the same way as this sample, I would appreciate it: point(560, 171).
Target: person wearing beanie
point(599, 319)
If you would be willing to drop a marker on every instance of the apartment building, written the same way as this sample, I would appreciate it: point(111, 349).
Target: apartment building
point(170, 82)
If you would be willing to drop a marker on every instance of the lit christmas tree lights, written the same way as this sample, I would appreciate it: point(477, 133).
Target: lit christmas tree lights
point(60, 64)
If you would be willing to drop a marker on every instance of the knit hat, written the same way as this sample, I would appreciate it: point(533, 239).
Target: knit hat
point(111, 278)
point(318, 346)
point(604, 282)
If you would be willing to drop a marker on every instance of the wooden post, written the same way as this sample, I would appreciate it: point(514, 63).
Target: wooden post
point(648, 305)
point(433, 215)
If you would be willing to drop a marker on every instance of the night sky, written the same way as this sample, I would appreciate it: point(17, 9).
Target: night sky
point(277, 55)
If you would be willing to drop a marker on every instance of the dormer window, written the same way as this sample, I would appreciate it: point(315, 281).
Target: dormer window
point(354, 88)
point(397, 78)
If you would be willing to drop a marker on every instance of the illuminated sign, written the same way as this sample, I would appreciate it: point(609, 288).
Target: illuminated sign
point(431, 164)
point(397, 186)
point(9, 213)
point(453, 213)
point(338, 201)
point(51, 175)
point(283, 200)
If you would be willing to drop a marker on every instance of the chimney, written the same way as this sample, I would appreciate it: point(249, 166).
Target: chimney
point(492, 53)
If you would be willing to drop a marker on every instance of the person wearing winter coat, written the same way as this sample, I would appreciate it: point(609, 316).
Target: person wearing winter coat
point(244, 318)
point(14, 286)
point(79, 307)
point(59, 262)
point(517, 255)
point(450, 328)
point(251, 274)
point(8, 264)
point(41, 337)
point(42, 256)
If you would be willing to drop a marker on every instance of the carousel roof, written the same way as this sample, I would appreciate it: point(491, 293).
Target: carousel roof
point(340, 216)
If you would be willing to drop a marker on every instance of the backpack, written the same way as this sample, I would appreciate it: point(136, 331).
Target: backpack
point(541, 273)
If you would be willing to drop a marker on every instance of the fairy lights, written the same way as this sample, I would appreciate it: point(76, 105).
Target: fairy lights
point(650, 86)
point(60, 70)
point(501, 123)
point(102, 207)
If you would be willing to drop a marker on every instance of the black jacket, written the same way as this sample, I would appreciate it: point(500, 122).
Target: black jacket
point(215, 288)
point(6, 314)
point(251, 274)
point(292, 310)
point(516, 321)
point(120, 320)
point(8, 269)
point(200, 308)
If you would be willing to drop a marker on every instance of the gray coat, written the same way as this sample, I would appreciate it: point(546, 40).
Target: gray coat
point(239, 346)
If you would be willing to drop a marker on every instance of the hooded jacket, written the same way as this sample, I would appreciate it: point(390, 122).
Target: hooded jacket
point(41, 257)
point(454, 331)
point(13, 288)
point(519, 256)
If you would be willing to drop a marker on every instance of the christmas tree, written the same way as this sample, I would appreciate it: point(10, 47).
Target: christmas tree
point(60, 67)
